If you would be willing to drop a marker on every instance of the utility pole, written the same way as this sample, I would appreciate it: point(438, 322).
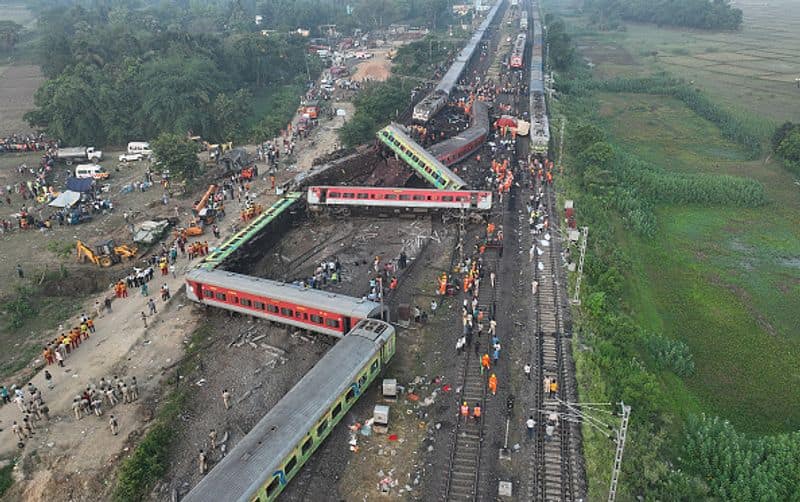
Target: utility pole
point(620, 440)
point(576, 297)
point(590, 414)
point(561, 145)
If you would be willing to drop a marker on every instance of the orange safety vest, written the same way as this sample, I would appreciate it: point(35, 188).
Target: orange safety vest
point(485, 361)
point(465, 410)
point(493, 382)
point(476, 412)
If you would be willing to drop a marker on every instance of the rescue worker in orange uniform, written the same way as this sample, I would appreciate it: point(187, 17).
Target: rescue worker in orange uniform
point(476, 412)
point(484, 363)
point(493, 383)
point(465, 411)
point(443, 284)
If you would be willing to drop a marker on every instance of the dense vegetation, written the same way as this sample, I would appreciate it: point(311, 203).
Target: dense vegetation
point(670, 455)
point(117, 74)
point(424, 58)
point(376, 105)
point(703, 14)
point(364, 14)
point(561, 49)
point(786, 144)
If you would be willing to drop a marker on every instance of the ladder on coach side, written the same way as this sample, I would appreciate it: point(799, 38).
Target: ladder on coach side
point(428, 166)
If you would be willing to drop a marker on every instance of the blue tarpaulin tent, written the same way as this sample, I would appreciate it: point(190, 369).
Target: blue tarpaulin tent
point(81, 185)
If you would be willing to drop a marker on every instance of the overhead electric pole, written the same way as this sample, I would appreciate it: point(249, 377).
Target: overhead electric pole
point(620, 440)
point(576, 298)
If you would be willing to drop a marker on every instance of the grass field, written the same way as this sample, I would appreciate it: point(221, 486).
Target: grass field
point(752, 71)
point(726, 281)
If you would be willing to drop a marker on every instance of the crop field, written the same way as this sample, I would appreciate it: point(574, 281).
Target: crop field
point(725, 281)
point(752, 71)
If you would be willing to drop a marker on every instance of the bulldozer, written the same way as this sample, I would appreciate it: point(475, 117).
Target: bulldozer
point(105, 253)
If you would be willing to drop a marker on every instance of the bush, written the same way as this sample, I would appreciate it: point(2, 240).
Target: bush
point(149, 461)
point(669, 354)
point(739, 468)
point(6, 478)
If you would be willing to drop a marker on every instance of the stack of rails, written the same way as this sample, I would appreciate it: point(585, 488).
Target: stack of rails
point(435, 101)
point(540, 126)
point(260, 466)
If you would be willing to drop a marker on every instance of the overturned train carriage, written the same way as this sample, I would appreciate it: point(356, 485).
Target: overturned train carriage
point(260, 466)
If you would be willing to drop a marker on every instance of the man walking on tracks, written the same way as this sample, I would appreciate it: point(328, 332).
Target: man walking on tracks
point(484, 363)
point(527, 370)
point(493, 384)
point(226, 399)
point(476, 412)
point(530, 424)
point(465, 411)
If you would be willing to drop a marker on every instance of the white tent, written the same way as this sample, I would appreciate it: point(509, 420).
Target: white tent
point(67, 198)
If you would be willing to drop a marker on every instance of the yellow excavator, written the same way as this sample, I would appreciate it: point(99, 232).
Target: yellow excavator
point(106, 253)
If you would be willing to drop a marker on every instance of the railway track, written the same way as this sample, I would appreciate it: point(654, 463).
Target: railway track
point(556, 456)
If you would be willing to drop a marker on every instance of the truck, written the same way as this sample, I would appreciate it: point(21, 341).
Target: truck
point(77, 154)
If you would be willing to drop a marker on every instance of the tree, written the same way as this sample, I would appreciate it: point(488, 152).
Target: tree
point(585, 135)
point(9, 35)
point(789, 147)
point(781, 132)
point(178, 154)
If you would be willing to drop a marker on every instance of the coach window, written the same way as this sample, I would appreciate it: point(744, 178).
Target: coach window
point(391, 196)
point(290, 465)
point(363, 196)
point(333, 195)
point(447, 198)
point(316, 319)
point(348, 196)
point(351, 394)
point(245, 302)
point(321, 428)
point(374, 367)
point(336, 410)
point(287, 312)
point(273, 486)
point(362, 380)
point(272, 308)
point(306, 446)
point(333, 323)
point(220, 296)
point(208, 293)
point(301, 315)
point(405, 197)
point(419, 197)
point(259, 305)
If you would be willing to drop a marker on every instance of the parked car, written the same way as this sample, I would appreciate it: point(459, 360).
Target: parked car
point(131, 157)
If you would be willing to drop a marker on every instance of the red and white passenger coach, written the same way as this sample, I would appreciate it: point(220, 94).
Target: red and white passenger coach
point(311, 309)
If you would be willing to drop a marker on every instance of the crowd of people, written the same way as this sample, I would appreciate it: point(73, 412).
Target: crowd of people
point(21, 143)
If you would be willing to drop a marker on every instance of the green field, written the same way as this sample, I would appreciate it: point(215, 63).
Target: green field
point(752, 71)
point(724, 280)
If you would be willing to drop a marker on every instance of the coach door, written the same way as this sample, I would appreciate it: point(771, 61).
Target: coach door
point(346, 321)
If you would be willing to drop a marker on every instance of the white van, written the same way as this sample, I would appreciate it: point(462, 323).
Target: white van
point(91, 171)
point(141, 147)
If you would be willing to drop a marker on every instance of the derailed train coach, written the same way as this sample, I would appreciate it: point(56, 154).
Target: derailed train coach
point(262, 464)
